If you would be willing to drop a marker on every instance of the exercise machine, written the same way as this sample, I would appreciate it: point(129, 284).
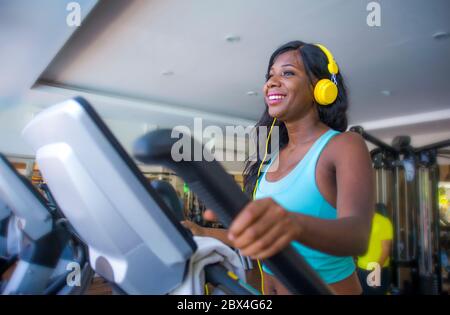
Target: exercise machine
point(8, 252)
point(42, 241)
point(221, 193)
point(134, 238)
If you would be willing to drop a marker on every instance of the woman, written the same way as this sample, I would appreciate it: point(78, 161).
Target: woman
point(319, 198)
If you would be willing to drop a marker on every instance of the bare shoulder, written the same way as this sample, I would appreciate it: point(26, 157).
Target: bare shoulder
point(347, 145)
point(349, 139)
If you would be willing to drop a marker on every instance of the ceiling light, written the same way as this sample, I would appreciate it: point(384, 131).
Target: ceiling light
point(386, 92)
point(441, 35)
point(252, 93)
point(232, 38)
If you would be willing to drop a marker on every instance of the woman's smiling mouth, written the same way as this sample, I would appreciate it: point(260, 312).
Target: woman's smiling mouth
point(275, 98)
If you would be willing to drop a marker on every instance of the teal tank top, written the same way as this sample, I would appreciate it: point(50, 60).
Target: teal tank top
point(298, 192)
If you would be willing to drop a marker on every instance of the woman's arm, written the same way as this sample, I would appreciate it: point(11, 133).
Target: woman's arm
point(386, 246)
point(342, 237)
point(349, 234)
point(220, 234)
point(264, 228)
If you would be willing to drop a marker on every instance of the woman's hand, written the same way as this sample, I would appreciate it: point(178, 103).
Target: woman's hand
point(209, 215)
point(196, 229)
point(263, 228)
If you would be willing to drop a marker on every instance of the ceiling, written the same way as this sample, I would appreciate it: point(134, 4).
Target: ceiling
point(31, 34)
point(125, 46)
point(118, 56)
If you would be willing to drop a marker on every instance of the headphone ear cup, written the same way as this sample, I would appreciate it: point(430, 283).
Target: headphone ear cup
point(325, 92)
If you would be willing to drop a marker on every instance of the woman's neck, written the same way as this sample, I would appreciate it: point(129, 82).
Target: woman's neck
point(304, 129)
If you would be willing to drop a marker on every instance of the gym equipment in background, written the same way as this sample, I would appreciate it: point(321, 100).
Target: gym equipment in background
point(407, 183)
point(45, 244)
point(135, 240)
point(221, 193)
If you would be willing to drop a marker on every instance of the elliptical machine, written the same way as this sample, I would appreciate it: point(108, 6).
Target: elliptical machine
point(142, 248)
point(40, 242)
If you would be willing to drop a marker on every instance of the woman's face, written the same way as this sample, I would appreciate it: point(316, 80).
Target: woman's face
point(288, 91)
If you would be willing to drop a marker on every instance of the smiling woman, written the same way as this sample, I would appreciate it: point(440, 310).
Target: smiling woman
point(304, 67)
point(319, 197)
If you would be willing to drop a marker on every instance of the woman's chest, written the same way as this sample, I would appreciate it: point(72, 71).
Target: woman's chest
point(311, 176)
point(284, 163)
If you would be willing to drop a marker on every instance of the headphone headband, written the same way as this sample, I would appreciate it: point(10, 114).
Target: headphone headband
point(332, 65)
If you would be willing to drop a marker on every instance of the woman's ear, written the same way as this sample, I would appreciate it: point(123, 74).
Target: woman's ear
point(311, 89)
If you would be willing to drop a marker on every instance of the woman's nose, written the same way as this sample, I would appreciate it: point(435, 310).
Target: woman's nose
point(273, 81)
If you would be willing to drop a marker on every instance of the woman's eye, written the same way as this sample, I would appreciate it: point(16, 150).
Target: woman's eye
point(284, 73)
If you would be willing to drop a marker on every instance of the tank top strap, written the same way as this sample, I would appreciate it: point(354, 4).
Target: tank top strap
point(307, 165)
point(322, 142)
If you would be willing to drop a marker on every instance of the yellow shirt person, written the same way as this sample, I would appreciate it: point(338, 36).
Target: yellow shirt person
point(377, 281)
point(379, 244)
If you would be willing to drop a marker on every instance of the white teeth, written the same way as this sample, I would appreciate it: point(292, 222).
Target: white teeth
point(276, 97)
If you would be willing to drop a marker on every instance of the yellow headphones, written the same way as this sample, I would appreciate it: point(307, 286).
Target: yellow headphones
point(264, 159)
point(326, 90)
point(254, 194)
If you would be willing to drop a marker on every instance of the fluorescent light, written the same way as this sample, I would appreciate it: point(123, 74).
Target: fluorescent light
point(232, 38)
point(441, 35)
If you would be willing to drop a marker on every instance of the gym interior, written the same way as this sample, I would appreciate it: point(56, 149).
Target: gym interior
point(93, 91)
